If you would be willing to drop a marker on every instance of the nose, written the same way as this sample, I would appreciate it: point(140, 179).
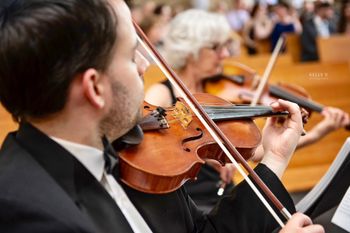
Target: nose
point(224, 53)
point(141, 62)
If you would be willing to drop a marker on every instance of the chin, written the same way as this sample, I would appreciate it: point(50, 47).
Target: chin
point(137, 119)
point(214, 71)
point(219, 69)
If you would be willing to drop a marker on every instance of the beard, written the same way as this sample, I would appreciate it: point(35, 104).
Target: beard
point(124, 114)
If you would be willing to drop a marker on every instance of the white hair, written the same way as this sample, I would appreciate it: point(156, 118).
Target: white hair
point(190, 31)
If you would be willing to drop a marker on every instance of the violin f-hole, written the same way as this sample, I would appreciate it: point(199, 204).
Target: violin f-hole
point(193, 138)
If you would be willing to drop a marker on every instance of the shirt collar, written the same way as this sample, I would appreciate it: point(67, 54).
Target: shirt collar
point(322, 26)
point(90, 157)
point(319, 21)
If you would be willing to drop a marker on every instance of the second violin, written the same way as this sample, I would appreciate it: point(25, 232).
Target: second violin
point(238, 85)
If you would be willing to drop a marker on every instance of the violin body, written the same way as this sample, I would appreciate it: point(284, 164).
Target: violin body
point(176, 144)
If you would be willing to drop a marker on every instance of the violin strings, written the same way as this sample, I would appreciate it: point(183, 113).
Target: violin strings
point(237, 107)
point(240, 116)
point(240, 112)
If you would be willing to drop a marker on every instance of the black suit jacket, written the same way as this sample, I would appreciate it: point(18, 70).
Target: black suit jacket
point(308, 40)
point(45, 189)
point(323, 209)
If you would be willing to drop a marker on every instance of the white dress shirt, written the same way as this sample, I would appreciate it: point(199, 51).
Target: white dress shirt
point(322, 27)
point(92, 159)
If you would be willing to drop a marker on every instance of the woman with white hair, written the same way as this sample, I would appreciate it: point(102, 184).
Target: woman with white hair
point(196, 44)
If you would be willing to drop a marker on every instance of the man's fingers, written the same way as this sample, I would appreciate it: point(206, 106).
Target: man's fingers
point(292, 108)
point(300, 220)
point(313, 229)
point(301, 223)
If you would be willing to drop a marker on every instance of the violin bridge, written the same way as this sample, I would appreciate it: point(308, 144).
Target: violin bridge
point(182, 114)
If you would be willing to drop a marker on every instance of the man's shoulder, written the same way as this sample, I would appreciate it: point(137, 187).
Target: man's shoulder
point(20, 175)
point(28, 191)
point(16, 162)
point(18, 215)
point(12, 158)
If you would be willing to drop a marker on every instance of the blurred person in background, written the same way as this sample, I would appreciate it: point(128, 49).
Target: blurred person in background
point(320, 25)
point(344, 21)
point(238, 15)
point(148, 8)
point(201, 4)
point(258, 27)
point(155, 29)
point(286, 21)
point(307, 11)
point(164, 12)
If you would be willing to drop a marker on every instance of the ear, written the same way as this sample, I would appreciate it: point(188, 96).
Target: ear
point(94, 87)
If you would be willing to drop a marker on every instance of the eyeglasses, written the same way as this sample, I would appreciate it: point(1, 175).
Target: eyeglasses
point(220, 47)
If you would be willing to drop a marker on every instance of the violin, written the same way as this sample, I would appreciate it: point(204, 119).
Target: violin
point(238, 85)
point(177, 133)
point(144, 167)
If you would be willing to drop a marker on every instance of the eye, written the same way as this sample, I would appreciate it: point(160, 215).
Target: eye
point(215, 46)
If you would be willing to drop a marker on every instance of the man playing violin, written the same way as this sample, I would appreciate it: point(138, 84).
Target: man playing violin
point(70, 75)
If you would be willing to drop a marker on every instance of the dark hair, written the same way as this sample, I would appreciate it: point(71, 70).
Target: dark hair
point(44, 44)
point(283, 4)
point(322, 5)
point(254, 9)
point(342, 19)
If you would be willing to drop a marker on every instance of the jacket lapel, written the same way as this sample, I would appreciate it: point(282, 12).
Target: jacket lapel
point(86, 192)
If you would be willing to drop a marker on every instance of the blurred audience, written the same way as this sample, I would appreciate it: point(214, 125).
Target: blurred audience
point(259, 27)
point(154, 28)
point(238, 15)
point(344, 21)
point(307, 11)
point(201, 4)
point(220, 7)
point(136, 13)
point(148, 8)
point(286, 21)
point(320, 25)
point(163, 12)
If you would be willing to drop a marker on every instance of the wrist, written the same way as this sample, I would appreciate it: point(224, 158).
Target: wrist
point(276, 163)
point(319, 131)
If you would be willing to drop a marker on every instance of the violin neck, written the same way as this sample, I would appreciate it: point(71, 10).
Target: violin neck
point(238, 112)
point(301, 101)
point(155, 120)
